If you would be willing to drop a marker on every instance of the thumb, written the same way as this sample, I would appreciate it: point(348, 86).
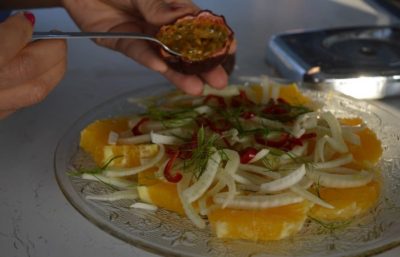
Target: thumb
point(160, 12)
point(18, 30)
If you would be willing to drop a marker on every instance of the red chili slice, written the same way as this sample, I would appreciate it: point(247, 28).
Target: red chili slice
point(136, 129)
point(247, 154)
point(173, 178)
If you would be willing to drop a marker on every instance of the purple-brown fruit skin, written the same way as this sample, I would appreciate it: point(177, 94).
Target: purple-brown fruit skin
point(187, 66)
point(229, 63)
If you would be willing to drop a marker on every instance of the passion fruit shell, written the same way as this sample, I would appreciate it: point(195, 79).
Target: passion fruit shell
point(203, 39)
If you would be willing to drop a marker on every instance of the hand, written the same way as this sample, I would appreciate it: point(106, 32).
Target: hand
point(28, 70)
point(145, 16)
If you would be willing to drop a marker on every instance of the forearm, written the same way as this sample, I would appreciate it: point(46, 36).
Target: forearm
point(28, 4)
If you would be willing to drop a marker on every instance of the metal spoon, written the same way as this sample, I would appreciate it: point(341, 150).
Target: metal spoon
point(71, 35)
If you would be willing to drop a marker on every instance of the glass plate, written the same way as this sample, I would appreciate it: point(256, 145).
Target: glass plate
point(167, 233)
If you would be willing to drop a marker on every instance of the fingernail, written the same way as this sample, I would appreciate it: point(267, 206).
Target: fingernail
point(30, 17)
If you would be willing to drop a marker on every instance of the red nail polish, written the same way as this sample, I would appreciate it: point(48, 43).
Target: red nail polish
point(30, 17)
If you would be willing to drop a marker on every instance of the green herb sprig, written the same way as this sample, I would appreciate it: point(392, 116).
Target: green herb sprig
point(95, 170)
point(331, 226)
point(206, 145)
point(172, 118)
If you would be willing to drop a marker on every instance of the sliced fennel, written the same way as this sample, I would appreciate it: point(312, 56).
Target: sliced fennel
point(310, 196)
point(284, 182)
point(258, 201)
point(115, 196)
point(261, 154)
point(195, 191)
point(282, 155)
point(157, 138)
point(187, 205)
point(326, 179)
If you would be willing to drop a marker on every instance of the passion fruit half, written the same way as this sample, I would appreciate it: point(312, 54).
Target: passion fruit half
point(203, 39)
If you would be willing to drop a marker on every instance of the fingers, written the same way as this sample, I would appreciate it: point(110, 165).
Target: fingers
point(34, 60)
point(216, 77)
point(146, 16)
point(5, 114)
point(28, 72)
point(190, 84)
point(233, 47)
point(194, 85)
point(160, 12)
point(18, 30)
point(139, 50)
point(31, 92)
point(143, 53)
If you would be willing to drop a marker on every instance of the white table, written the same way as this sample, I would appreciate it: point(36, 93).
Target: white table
point(36, 219)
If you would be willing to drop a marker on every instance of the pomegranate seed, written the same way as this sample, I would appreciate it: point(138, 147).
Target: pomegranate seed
point(247, 154)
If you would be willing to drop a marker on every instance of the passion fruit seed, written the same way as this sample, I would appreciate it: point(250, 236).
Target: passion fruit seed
point(203, 40)
point(195, 40)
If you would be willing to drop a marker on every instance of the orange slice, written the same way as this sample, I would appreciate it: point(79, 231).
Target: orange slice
point(95, 136)
point(126, 156)
point(370, 150)
point(348, 202)
point(269, 224)
point(160, 193)
point(94, 140)
point(290, 93)
point(352, 202)
point(259, 225)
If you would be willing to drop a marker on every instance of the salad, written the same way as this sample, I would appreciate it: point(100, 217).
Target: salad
point(251, 162)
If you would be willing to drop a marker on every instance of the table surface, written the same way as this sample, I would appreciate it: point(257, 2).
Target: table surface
point(36, 219)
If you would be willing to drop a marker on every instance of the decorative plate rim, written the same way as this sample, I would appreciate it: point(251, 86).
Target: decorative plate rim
point(82, 206)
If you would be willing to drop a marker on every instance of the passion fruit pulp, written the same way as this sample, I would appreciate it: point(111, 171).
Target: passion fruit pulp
point(203, 39)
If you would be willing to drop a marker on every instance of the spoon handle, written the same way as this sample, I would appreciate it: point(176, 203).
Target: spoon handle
point(73, 35)
point(68, 35)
